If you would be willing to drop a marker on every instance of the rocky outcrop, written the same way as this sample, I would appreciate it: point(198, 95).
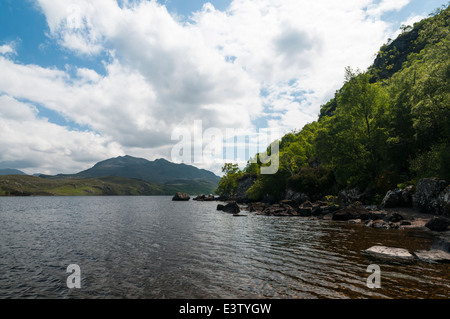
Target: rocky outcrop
point(244, 183)
point(231, 208)
point(179, 196)
point(398, 198)
point(428, 199)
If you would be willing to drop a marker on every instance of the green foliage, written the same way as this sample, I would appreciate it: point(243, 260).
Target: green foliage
point(312, 180)
point(351, 142)
point(384, 126)
point(270, 185)
point(229, 182)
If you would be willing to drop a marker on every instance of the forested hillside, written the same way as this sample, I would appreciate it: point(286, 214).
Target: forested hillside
point(386, 126)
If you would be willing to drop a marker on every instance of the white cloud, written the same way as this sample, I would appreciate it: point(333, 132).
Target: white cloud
point(377, 9)
point(35, 145)
point(8, 49)
point(164, 73)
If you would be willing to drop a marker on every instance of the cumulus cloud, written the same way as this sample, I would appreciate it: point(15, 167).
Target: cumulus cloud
point(33, 144)
point(164, 73)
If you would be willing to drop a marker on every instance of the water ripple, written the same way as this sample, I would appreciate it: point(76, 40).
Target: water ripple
point(151, 247)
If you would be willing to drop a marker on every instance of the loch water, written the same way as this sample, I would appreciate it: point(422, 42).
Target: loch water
point(153, 247)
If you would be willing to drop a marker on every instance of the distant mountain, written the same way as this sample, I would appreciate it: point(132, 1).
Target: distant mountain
point(11, 171)
point(173, 177)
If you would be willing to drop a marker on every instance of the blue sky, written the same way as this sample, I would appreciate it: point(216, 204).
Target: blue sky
point(86, 80)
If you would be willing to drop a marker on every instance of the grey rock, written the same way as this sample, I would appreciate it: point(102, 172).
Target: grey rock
point(443, 202)
point(398, 198)
point(296, 196)
point(349, 196)
point(389, 254)
point(426, 196)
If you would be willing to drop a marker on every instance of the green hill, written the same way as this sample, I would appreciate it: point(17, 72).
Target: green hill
point(26, 185)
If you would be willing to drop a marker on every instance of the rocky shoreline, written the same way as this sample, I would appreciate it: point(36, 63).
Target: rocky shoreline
point(425, 207)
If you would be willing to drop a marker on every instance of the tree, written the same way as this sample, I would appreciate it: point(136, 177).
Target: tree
point(228, 183)
point(351, 141)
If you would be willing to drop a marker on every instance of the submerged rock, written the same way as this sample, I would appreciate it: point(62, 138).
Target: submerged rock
point(433, 256)
point(389, 254)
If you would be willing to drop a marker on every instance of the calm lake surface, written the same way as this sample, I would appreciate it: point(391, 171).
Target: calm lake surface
point(152, 247)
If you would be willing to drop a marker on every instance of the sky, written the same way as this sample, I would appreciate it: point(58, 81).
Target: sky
point(82, 81)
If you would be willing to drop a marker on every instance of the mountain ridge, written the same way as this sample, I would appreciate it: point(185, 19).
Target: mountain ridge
point(180, 177)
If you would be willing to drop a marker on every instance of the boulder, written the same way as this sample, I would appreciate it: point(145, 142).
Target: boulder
point(443, 202)
point(232, 208)
point(204, 198)
point(392, 199)
point(209, 198)
point(199, 197)
point(179, 196)
point(296, 196)
point(438, 224)
point(433, 256)
point(393, 218)
point(398, 198)
point(425, 199)
point(349, 196)
point(389, 254)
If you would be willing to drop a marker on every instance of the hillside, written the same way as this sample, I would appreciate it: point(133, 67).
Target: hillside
point(386, 126)
point(26, 185)
point(166, 176)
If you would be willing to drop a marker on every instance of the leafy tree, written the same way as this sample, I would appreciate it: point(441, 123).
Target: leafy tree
point(228, 183)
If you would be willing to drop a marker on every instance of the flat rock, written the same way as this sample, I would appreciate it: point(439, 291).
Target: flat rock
point(433, 256)
point(389, 254)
